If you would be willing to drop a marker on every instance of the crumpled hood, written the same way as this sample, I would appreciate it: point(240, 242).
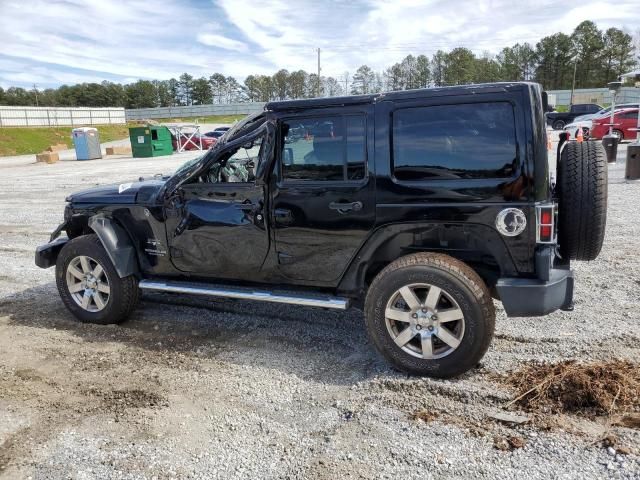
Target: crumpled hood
point(122, 193)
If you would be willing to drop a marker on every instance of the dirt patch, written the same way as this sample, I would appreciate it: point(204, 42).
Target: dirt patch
point(599, 388)
point(118, 401)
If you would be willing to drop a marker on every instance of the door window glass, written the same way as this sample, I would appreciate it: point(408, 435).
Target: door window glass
point(328, 148)
point(237, 166)
point(475, 140)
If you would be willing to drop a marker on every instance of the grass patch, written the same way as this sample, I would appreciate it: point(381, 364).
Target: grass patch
point(26, 140)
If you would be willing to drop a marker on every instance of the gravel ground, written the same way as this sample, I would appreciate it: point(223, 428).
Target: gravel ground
point(191, 388)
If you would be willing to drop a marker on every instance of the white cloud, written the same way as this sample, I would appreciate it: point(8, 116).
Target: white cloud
point(214, 40)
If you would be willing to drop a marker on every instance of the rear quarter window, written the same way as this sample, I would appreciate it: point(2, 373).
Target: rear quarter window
point(461, 141)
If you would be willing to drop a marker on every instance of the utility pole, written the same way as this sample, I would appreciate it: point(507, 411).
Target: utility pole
point(573, 84)
point(346, 83)
point(318, 72)
point(35, 90)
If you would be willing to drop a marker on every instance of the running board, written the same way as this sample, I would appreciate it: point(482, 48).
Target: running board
point(244, 294)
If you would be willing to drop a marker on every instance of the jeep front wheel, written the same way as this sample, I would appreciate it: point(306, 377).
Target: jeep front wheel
point(89, 285)
point(430, 314)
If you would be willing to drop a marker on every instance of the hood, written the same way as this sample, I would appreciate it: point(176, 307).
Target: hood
point(142, 191)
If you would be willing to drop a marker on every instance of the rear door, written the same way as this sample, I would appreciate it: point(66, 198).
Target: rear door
point(322, 200)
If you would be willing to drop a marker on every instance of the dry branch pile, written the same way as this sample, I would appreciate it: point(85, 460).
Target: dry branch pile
point(600, 388)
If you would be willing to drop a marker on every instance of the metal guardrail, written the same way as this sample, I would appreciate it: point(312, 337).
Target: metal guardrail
point(193, 111)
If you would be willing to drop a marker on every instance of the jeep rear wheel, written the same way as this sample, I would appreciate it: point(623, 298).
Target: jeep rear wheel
point(558, 124)
point(582, 192)
point(430, 314)
point(89, 285)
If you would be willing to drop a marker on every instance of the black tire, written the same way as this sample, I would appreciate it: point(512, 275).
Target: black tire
point(558, 124)
point(458, 281)
point(123, 292)
point(582, 193)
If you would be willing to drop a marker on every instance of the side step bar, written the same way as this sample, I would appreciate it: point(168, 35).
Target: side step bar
point(168, 286)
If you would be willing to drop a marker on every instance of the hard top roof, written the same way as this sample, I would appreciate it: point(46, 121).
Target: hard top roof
point(397, 95)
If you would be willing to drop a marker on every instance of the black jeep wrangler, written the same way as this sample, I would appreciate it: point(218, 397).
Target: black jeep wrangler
point(416, 206)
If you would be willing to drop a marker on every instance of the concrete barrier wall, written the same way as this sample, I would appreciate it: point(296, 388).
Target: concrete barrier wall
point(58, 116)
point(601, 96)
point(193, 111)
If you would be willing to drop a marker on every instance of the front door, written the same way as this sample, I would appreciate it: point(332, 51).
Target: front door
point(323, 205)
point(215, 221)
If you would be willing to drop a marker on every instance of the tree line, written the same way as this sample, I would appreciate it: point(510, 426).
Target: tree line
point(596, 57)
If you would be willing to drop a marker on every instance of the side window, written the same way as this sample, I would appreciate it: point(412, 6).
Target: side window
point(475, 140)
point(630, 114)
point(238, 166)
point(330, 148)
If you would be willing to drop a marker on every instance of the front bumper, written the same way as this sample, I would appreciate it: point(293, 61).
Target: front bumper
point(527, 297)
point(46, 255)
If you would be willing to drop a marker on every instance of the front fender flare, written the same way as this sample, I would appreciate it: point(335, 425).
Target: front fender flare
point(117, 243)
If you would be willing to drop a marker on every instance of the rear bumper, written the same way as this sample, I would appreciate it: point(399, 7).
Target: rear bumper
point(526, 297)
point(46, 255)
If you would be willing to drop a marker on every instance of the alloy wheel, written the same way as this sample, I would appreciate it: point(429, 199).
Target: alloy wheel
point(425, 321)
point(88, 283)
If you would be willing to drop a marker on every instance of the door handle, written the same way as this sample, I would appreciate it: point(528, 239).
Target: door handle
point(346, 206)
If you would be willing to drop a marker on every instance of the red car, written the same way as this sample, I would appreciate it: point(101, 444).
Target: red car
point(193, 143)
point(625, 120)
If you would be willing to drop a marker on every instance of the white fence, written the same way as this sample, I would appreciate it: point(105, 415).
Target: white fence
point(192, 111)
point(601, 96)
point(59, 116)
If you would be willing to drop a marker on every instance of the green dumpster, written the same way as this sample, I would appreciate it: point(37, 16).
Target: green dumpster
point(150, 141)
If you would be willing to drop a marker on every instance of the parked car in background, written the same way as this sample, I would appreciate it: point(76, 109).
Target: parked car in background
point(214, 134)
point(190, 142)
point(586, 121)
point(558, 120)
point(625, 121)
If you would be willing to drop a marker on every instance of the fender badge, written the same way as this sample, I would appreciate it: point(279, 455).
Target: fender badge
point(511, 222)
point(124, 186)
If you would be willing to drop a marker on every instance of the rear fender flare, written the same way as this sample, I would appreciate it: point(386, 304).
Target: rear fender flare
point(117, 243)
point(484, 238)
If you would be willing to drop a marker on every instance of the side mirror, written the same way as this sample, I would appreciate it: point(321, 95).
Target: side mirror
point(287, 158)
point(545, 102)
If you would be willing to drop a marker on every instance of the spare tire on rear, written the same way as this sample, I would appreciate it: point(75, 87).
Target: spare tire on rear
point(582, 192)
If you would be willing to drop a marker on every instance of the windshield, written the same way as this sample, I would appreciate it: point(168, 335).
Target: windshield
point(188, 164)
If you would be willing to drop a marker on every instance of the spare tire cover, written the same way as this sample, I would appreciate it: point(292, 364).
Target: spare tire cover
point(582, 196)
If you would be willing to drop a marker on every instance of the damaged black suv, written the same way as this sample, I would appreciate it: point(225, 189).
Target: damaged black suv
point(419, 207)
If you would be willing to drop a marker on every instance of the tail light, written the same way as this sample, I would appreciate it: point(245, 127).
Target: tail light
point(546, 223)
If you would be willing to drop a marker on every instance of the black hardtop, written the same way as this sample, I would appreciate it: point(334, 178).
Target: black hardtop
point(398, 95)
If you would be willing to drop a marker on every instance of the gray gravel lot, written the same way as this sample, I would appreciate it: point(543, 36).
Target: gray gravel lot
point(191, 388)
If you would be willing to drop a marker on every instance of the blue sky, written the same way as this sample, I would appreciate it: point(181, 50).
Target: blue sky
point(51, 42)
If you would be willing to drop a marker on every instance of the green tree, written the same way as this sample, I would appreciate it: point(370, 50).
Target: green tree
point(460, 67)
point(617, 54)
point(487, 69)
point(201, 94)
point(185, 89)
point(438, 68)
point(141, 94)
point(281, 84)
point(588, 45)
point(554, 69)
point(364, 81)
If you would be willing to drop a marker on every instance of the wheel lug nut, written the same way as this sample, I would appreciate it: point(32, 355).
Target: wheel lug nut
point(424, 310)
point(431, 328)
point(434, 318)
point(415, 315)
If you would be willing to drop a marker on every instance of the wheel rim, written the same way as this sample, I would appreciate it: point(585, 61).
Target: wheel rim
point(425, 321)
point(88, 283)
